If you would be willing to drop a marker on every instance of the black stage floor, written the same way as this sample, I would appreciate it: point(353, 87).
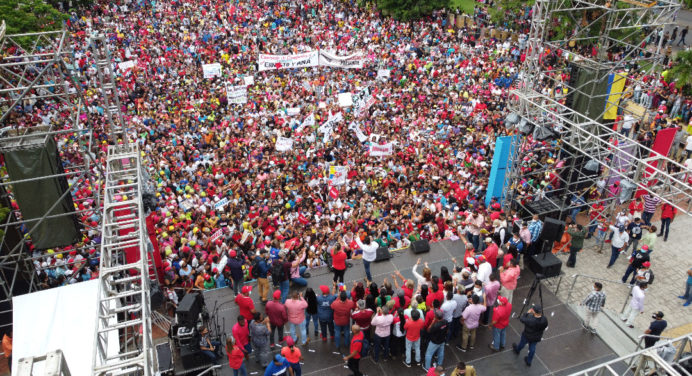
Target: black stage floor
point(565, 349)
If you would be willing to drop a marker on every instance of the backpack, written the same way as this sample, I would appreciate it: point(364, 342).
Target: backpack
point(651, 277)
point(365, 348)
point(277, 273)
point(255, 271)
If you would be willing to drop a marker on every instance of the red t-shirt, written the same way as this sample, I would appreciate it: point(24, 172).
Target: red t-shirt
point(235, 358)
point(363, 318)
point(490, 254)
point(407, 301)
point(342, 311)
point(439, 295)
point(408, 292)
point(339, 260)
point(246, 306)
point(501, 315)
point(413, 329)
point(356, 346)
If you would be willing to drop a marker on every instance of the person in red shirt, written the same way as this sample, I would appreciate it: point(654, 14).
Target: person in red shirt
point(668, 213)
point(241, 334)
point(342, 317)
point(338, 263)
point(245, 303)
point(362, 316)
point(353, 357)
point(235, 357)
point(436, 371)
point(501, 315)
point(413, 326)
point(491, 252)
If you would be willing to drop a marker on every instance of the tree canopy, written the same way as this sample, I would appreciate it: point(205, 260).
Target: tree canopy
point(406, 10)
point(681, 72)
point(29, 16)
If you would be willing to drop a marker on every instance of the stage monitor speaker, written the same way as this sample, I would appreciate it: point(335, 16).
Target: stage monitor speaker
point(383, 254)
point(552, 229)
point(420, 246)
point(545, 207)
point(37, 158)
point(188, 309)
point(192, 357)
point(546, 263)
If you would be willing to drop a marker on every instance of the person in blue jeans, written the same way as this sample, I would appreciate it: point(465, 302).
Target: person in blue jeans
point(501, 314)
point(534, 326)
point(209, 348)
point(311, 311)
point(437, 332)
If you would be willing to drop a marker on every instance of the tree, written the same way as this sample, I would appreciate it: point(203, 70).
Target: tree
point(681, 72)
point(30, 16)
point(406, 10)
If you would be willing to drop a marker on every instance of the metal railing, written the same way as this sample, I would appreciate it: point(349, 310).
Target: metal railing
point(598, 279)
point(648, 361)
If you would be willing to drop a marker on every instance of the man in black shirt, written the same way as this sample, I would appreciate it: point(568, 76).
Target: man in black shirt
point(637, 259)
point(655, 329)
point(437, 333)
point(534, 325)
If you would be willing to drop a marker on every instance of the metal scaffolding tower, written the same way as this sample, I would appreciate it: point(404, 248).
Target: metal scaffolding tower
point(124, 317)
point(607, 39)
point(35, 69)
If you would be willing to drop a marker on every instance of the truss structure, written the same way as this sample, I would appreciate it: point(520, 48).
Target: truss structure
point(608, 39)
point(650, 361)
point(37, 68)
point(124, 311)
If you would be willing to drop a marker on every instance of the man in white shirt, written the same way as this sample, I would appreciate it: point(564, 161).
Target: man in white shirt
point(636, 305)
point(369, 253)
point(484, 269)
point(618, 243)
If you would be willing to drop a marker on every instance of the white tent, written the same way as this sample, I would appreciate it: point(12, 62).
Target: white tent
point(62, 318)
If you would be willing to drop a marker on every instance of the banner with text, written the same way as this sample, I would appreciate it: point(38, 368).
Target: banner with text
point(337, 175)
point(381, 150)
point(362, 100)
point(211, 70)
point(273, 62)
point(327, 59)
point(284, 144)
point(236, 94)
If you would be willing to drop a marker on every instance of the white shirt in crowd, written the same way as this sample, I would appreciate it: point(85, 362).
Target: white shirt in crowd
point(637, 301)
point(369, 251)
point(619, 238)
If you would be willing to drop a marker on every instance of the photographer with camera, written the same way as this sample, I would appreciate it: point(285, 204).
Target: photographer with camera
point(534, 326)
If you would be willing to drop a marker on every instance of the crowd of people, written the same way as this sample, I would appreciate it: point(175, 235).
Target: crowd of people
point(230, 207)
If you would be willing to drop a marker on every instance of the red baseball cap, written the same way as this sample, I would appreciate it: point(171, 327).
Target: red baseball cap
point(207, 277)
point(325, 289)
point(277, 294)
point(232, 253)
point(246, 289)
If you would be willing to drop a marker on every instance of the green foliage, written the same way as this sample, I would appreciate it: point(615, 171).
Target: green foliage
point(681, 72)
point(29, 16)
point(465, 6)
point(505, 10)
point(407, 10)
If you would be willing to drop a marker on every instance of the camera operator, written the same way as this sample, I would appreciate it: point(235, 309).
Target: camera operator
point(534, 326)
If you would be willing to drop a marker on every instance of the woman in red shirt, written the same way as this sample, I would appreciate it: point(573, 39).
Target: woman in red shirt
point(667, 215)
point(236, 357)
point(338, 263)
point(413, 327)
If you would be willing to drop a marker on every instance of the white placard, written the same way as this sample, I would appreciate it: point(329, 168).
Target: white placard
point(327, 59)
point(345, 99)
point(125, 65)
point(273, 62)
point(308, 122)
point(211, 70)
point(249, 80)
point(186, 205)
point(362, 100)
point(337, 175)
point(381, 150)
point(359, 133)
point(293, 111)
point(284, 144)
point(217, 234)
point(383, 73)
point(236, 94)
point(221, 203)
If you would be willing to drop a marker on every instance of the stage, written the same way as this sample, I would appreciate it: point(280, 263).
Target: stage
point(566, 347)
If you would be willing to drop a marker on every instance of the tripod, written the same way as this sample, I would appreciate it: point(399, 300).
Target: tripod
point(536, 285)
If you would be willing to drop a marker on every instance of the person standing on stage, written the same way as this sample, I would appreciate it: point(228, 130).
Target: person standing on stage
point(534, 326)
point(338, 263)
point(369, 249)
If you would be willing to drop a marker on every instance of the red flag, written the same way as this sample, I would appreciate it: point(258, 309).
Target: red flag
point(302, 219)
point(333, 193)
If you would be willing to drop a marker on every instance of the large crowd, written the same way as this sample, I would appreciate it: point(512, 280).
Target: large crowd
point(230, 207)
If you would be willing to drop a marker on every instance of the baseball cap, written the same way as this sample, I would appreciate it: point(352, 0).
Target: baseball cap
point(502, 300)
point(621, 228)
point(246, 289)
point(646, 264)
point(644, 248)
point(324, 289)
point(488, 239)
point(279, 358)
point(232, 253)
point(537, 308)
point(207, 277)
point(277, 294)
point(289, 341)
point(658, 314)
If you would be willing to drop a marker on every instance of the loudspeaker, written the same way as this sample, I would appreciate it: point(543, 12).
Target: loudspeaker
point(156, 296)
point(192, 357)
point(188, 309)
point(420, 246)
point(383, 254)
point(32, 165)
point(547, 264)
point(545, 207)
point(552, 229)
point(588, 90)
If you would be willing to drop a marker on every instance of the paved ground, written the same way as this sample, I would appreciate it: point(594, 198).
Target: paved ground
point(669, 261)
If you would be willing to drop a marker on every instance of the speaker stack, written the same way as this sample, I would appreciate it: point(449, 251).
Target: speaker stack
point(420, 246)
point(383, 254)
